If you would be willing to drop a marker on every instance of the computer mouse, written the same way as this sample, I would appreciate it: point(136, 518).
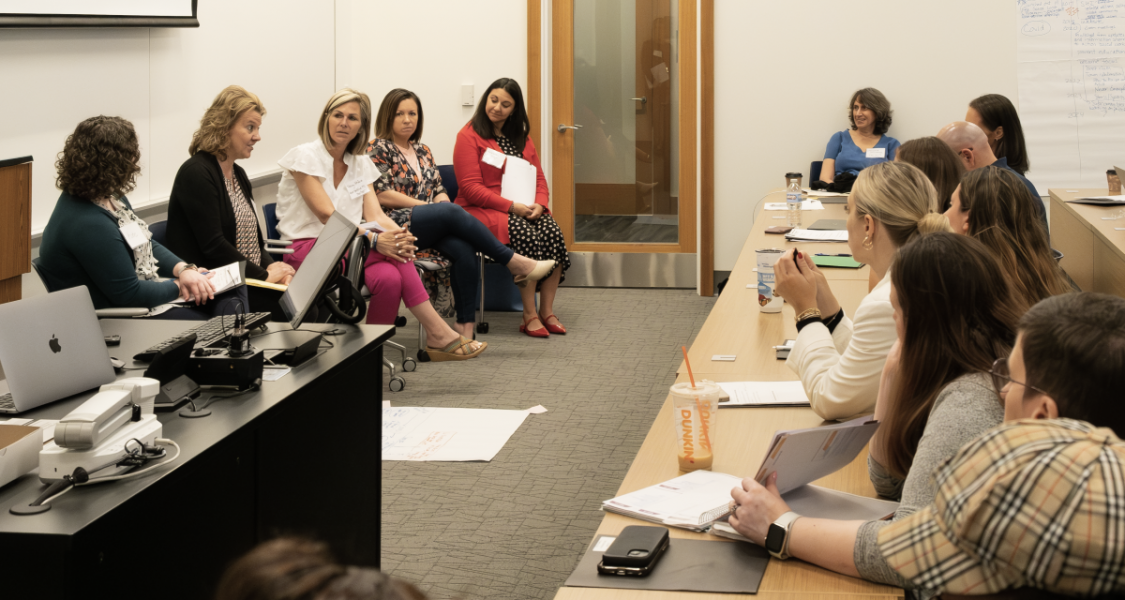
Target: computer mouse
point(118, 364)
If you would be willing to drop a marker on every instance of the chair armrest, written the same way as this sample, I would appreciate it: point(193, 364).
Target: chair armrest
point(120, 313)
point(279, 242)
point(280, 250)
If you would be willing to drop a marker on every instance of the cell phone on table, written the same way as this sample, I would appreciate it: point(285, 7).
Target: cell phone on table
point(635, 552)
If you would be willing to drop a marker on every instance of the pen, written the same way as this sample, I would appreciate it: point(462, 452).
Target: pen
point(819, 254)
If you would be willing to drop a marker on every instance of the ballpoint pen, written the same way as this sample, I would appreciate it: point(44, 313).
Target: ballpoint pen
point(819, 254)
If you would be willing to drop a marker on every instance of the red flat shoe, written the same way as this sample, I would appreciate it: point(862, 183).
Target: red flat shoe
point(538, 333)
point(553, 327)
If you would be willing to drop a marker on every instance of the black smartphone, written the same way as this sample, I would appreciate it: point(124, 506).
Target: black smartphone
point(635, 552)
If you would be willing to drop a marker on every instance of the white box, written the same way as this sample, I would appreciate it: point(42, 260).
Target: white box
point(19, 451)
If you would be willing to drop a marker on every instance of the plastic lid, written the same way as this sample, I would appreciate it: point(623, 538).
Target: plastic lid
point(1107, 172)
point(793, 175)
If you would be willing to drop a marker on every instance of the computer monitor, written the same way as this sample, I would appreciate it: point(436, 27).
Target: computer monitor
point(325, 256)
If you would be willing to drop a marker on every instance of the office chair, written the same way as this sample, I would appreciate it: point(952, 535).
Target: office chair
point(102, 313)
point(267, 219)
point(159, 231)
point(814, 171)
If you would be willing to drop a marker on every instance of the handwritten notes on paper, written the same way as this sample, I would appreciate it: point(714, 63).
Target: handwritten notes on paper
point(447, 434)
point(1071, 70)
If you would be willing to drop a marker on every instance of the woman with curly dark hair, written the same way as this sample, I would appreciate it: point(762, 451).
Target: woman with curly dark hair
point(94, 239)
point(864, 144)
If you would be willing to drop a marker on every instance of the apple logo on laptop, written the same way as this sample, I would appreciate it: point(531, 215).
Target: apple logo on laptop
point(54, 344)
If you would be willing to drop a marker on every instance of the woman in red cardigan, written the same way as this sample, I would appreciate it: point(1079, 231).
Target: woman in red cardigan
point(499, 129)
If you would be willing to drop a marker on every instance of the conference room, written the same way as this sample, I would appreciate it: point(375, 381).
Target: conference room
point(664, 131)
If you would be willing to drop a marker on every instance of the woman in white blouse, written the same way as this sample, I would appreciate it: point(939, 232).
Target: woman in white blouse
point(332, 174)
point(839, 360)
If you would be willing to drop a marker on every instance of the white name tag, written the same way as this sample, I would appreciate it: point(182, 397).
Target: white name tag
point(356, 189)
point(876, 153)
point(134, 236)
point(492, 157)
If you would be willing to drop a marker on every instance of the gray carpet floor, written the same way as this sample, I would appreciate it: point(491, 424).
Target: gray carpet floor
point(515, 527)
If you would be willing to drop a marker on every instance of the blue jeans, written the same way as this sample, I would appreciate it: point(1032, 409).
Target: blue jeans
point(230, 303)
point(447, 228)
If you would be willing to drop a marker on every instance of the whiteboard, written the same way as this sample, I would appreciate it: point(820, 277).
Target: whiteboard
point(132, 8)
point(1071, 72)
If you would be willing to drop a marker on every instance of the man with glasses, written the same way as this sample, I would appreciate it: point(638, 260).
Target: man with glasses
point(1037, 504)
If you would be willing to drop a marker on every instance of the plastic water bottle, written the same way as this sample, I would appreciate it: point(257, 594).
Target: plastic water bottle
point(793, 199)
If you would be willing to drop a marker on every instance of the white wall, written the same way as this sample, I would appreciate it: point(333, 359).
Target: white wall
point(432, 48)
point(784, 73)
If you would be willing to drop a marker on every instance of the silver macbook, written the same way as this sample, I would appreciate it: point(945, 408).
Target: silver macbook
point(51, 348)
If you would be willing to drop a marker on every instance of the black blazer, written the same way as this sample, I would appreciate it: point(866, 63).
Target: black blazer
point(201, 226)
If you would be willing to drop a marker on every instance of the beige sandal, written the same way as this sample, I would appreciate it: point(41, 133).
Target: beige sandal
point(542, 268)
point(450, 352)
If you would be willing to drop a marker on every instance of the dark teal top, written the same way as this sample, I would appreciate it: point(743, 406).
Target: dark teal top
point(82, 245)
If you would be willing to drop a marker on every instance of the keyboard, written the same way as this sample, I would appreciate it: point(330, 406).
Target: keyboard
point(206, 334)
point(7, 405)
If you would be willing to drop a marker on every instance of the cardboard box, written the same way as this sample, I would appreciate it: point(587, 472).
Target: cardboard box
point(19, 451)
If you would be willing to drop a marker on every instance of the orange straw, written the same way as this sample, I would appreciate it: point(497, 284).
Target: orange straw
point(688, 364)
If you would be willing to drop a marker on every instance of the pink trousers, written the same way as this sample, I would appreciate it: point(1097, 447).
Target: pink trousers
point(388, 281)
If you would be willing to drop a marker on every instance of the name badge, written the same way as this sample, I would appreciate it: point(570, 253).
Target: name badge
point(876, 153)
point(494, 158)
point(134, 236)
point(356, 189)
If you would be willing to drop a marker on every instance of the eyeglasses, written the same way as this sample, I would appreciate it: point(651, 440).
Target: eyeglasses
point(1001, 378)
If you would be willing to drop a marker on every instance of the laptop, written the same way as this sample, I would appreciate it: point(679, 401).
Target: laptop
point(52, 348)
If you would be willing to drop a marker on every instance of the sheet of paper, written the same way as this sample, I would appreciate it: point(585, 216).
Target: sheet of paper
point(46, 425)
point(764, 393)
point(678, 501)
point(805, 205)
point(274, 373)
point(1071, 76)
point(823, 503)
point(824, 193)
point(159, 310)
point(493, 158)
point(804, 455)
point(225, 277)
point(373, 226)
point(818, 235)
point(519, 181)
point(447, 434)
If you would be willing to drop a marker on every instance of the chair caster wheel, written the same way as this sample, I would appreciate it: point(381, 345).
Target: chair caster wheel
point(409, 365)
point(423, 356)
point(397, 384)
point(400, 321)
point(482, 328)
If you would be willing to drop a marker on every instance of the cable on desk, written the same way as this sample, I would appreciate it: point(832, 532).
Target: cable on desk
point(257, 385)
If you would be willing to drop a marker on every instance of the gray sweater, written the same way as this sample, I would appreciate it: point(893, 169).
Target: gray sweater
point(963, 410)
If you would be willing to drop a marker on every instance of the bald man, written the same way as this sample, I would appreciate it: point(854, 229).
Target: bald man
point(970, 143)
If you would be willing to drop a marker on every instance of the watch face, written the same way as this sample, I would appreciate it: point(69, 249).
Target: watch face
point(775, 539)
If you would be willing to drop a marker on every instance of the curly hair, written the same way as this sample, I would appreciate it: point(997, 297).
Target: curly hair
point(878, 103)
point(99, 159)
point(213, 135)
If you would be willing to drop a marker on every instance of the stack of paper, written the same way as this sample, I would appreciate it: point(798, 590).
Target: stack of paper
point(518, 184)
point(825, 193)
point(817, 235)
point(764, 393)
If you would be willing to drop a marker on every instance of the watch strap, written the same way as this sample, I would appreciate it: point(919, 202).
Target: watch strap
point(785, 522)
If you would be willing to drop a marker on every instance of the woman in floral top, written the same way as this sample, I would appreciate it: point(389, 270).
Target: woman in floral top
point(411, 194)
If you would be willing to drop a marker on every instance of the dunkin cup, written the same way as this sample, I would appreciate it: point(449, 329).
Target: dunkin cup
point(768, 301)
point(693, 412)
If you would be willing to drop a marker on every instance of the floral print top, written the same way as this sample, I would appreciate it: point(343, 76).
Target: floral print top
point(400, 176)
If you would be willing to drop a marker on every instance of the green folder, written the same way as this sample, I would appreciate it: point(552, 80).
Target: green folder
point(839, 262)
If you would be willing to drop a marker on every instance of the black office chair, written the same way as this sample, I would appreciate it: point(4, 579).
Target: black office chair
point(159, 231)
point(102, 313)
point(814, 170)
point(268, 218)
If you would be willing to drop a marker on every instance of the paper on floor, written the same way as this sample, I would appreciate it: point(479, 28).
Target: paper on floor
point(447, 434)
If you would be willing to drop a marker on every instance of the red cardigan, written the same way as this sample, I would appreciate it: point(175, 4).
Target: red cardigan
point(478, 184)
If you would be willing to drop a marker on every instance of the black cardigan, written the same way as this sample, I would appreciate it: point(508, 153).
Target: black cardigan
point(201, 225)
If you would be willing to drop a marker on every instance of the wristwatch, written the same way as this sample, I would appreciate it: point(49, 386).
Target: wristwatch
point(188, 266)
point(777, 539)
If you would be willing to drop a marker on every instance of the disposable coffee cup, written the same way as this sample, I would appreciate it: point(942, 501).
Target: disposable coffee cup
point(768, 301)
point(693, 415)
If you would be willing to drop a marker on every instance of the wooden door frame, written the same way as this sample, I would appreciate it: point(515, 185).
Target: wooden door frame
point(562, 110)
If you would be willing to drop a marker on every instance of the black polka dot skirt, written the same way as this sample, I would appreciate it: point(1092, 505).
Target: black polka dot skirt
point(540, 239)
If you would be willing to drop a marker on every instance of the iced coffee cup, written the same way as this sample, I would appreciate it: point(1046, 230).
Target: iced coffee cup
point(768, 301)
point(693, 415)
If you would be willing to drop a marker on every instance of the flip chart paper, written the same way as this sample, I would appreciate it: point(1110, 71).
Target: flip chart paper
point(447, 434)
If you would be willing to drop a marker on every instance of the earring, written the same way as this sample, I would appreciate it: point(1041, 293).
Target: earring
point(867, 245)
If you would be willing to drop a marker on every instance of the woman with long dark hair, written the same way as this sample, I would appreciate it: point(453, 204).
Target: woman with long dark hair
point(953, 315)
point(499, 130)
point(996, 115)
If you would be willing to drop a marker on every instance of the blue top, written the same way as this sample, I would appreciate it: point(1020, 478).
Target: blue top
point(851, 158)
point(1003, 164)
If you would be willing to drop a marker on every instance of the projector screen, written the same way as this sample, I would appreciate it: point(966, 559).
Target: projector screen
point(98, 13)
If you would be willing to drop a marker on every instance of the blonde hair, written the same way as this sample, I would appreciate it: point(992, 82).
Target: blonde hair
point(213, 135)
point(901, 198)
point(340, 98)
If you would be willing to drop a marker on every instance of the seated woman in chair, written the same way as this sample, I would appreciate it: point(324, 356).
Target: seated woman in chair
point(211, 216)
point(411, 193)
point(330, 174)
point(95, 239)
point(864, 144)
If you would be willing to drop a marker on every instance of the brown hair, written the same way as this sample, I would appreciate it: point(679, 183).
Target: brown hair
point(997, 111)
point(99, 159)
point(958, 318)
point(901, 198)
point(213, 135)
point(1004, 218)
point(878, 103)
point(1074, 349)
point(340, 98)
point(301, 569)
point(385, 121)
point(938, 161)
point(517, 127)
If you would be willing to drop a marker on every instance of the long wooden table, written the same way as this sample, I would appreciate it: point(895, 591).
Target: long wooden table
point(735, 326)
point(1093, 249)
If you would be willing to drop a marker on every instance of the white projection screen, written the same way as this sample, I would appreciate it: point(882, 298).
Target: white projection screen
point(98, 13)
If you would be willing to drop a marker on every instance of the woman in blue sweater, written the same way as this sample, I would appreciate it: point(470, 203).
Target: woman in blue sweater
point(95, 239)
point(864, 144)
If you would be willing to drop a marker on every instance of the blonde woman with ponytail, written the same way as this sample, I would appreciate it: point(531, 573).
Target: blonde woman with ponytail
point(839, 359)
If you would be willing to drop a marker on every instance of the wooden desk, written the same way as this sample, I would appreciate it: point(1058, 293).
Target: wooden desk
point(1093, 254)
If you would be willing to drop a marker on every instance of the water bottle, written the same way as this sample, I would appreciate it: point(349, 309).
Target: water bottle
point(793, 199)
